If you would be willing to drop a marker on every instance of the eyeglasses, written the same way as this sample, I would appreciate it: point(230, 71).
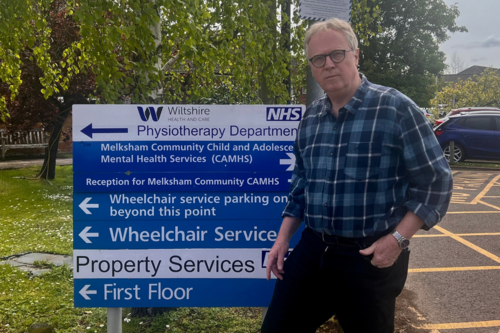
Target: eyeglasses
point(337, 56)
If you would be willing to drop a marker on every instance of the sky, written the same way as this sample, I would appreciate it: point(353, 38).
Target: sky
point(481, 45)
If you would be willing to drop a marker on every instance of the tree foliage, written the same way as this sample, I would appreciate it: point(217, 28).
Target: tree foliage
point(404, 53)
point(184, 50)
point(200, 45)
point(201, 41)
point(22, 25)
point(365, 20)
point(237, 44)
point(482, 90)
point(31, 105)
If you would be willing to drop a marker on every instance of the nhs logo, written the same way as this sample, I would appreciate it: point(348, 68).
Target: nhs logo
point(283, 114)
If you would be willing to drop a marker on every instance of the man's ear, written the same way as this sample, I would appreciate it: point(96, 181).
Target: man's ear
point(356, 56)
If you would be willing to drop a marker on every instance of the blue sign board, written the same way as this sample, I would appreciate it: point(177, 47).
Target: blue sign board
point(173, 292)
point(197, 234)
point(182, 181)
point(173, 206)
point(198, 156)
point(179, 205)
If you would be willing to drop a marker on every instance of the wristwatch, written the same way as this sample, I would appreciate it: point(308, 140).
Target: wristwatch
point(402, 241)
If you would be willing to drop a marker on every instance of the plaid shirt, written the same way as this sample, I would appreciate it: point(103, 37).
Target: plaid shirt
point(357, 175)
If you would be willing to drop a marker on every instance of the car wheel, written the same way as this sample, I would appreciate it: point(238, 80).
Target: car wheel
point(459, 155)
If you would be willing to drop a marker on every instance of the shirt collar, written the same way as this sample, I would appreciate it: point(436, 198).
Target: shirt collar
point(355, 101)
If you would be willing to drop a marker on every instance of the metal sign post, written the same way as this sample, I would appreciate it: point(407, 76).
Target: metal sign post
point(114, 320)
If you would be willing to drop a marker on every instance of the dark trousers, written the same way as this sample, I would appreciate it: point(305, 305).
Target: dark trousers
point(321, 280)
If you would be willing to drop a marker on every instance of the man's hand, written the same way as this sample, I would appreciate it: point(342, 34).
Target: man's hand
point(276, 257)
point(385, 251)
point(276, 260)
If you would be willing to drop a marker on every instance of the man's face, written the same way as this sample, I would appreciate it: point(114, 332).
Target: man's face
point(334, 78)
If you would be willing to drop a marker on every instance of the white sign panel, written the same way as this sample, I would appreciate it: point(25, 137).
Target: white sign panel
point(170, 264)
point(185, 123)
point(322, 10)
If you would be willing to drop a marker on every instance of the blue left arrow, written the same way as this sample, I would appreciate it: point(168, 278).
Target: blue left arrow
point(89, 130)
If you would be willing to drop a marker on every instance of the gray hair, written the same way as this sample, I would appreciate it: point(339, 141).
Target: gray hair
point(332, 24)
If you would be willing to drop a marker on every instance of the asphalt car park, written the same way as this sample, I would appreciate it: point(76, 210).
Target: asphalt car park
point(455, 267)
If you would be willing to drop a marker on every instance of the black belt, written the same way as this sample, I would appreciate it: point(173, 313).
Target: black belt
point(362, 242)
point(336, 240)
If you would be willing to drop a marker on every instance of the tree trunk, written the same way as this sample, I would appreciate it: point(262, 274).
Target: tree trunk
point(48, 170)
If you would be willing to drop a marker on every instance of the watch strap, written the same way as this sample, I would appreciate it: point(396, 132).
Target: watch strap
point(402, 241)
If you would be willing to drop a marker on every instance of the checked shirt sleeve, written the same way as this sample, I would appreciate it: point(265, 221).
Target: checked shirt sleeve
point(430, 178)
point(296, 202)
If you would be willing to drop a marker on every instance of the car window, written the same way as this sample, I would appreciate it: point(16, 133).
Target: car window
point(480, 123)
point(498, 123)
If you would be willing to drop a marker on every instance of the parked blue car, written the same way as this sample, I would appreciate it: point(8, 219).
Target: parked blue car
point(475, 136)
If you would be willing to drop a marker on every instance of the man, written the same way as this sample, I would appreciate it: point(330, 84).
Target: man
point(369, 174)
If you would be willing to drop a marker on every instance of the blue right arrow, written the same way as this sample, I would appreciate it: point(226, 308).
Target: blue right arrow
point(88, 131)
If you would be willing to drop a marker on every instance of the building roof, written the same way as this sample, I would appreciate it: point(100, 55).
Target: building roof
point(467, 73)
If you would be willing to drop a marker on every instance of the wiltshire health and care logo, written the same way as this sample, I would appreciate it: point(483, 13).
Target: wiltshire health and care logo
point(283, 114)
point(150, 112)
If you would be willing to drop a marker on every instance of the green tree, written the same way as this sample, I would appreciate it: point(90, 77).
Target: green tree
point(199, 45)
point(164, 51)
point(29, 107)
point(404, 53)
point(200, 40)
point(482, 90)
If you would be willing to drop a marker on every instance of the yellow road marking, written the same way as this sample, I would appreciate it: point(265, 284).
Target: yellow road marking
point(492, 196)
point(459, 196)
point(489, 205)
point(469, 244)
point(480, 234)
point(432, 235)
point(436, 327)
point(452, 326)
point(461, 235)
point(453, 269)
point(476, 175)
point(477, 212)
point(485, 190)
point(472, 183)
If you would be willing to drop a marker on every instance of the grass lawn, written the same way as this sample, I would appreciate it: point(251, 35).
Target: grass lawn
point(36, 216)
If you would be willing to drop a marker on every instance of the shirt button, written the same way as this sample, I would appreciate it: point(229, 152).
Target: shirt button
point(331, 154)
point(327, 178)
point(326, 205)
point(335, 128)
